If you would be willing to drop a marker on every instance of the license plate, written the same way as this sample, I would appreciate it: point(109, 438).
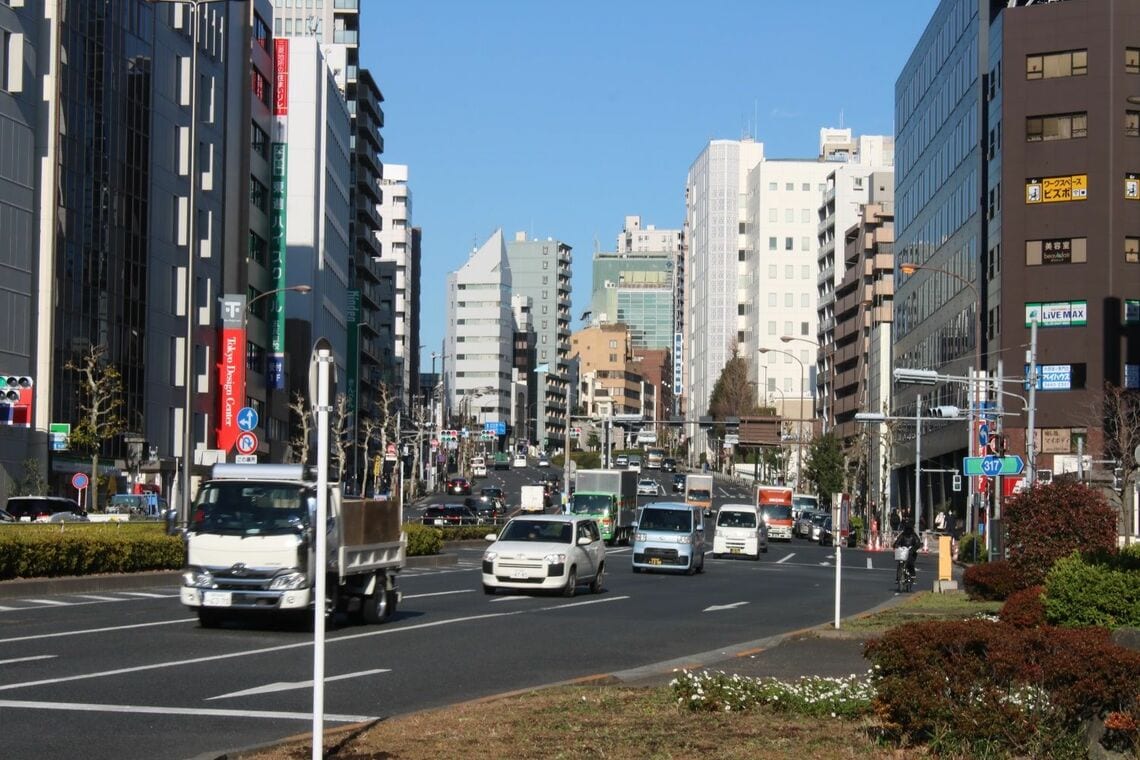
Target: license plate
point(216, 599)
point(655, 560)
point(520, 574)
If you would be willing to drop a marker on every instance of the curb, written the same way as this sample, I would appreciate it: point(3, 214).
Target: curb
point(81, 584)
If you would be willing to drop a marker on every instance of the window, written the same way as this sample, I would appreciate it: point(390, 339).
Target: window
point(261, 89)
point(771, 271)
point(805, 272)
point(613, 344)
point(789, 215)
point(260, 142)
point(790, 186)
point(772, 327)
point(805, 215)
point(1071, 63)
point(741, 255)
point(772, 299)
point(261, 32)
point(742, 228)
point(1132, 123)
point(805, 244)
point(1132, 250)
point(1132, 60)
point(787, 328)
point(258, 248)
point(773, 186)
point(789, 300)
point(771, 244)
point(1065, 126)
point(803, 328)
point(806, 187)
point(788, 244)
point(805, 300)
point(258, 195)
point(773, 215)
point(5, 40)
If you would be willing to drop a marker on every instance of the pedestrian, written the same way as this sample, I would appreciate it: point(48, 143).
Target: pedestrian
point(940, 522)
point(896, 520)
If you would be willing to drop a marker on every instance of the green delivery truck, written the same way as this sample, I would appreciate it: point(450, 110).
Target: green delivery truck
point(610, 497)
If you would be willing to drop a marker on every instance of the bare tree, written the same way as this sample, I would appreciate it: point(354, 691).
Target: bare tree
point(100, 391)
point(303, 425)
point(369, 432)
point(1121, 415)
point(338, 438)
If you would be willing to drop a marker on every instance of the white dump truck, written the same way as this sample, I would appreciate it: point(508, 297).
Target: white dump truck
point(251, 546)
point(532, 499)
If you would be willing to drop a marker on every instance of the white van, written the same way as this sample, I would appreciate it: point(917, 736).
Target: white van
point(478, 467)
point(669, 535)
point(739, 531)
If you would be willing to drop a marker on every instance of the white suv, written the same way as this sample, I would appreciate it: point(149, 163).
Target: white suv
point(545, 552)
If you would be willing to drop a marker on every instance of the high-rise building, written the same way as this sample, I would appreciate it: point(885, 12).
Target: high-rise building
point(1016, 202)
point(480, 326)
point(395, 237)
point(540, 270)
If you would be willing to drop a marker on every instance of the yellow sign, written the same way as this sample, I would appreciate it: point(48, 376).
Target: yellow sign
point(1057, 189)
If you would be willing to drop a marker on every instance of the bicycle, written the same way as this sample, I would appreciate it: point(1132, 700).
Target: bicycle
point(904, 576)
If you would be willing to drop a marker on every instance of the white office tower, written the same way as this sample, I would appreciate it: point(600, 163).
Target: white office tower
point(480, 332)
point(318, 181)
point(395, 235)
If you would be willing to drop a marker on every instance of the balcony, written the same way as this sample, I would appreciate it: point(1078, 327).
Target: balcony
point(346, 36)
point(346, 5)
point(368, 245)
point(366, 212)
point(370, 295)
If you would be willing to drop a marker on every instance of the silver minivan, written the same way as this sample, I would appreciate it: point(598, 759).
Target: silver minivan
point(669, 536)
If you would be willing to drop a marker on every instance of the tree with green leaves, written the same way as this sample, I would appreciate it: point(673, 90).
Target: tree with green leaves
point(100, 402)
point(33, 483)
point(734, 395)
point(825, 466)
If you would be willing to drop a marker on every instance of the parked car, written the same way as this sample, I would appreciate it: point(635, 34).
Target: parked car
point(545, 552)
point(621, 460)
point(816, 526)
point(459, 486)
point(59, 517)
point(669, 464)
point(648, 487)
point(6, 516)
point(450, 514)
point(543, 460)
point(679, 483)
point(825, 536)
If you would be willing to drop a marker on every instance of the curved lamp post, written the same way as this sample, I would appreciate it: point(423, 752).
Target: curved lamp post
point(799, 414)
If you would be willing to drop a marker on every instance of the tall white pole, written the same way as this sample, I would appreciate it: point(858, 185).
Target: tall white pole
point(917, 458)
point(1030, 447)
point(320, 536)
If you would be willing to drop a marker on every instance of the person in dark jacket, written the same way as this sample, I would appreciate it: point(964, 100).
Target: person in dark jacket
point(911, 541)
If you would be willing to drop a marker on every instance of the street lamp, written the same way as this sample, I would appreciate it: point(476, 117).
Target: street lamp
point(799, 414)
point(814, 344)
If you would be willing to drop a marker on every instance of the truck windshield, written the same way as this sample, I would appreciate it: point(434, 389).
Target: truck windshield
point(242, 508)
point(671, 520)
point(772, 512)
point(590, 503)
point(727, 518)
point(699, 494)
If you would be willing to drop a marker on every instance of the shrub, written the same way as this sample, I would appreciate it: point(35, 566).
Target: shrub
point(1048, 522)
point(1026, 690)
point(1024, 608)
point(992, 581)
point(423, 539)
point(1102, 591)
point(972, 548)
point(53, 550)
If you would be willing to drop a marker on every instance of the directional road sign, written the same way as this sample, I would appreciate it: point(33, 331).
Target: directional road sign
point(247, 419)
point(990, 466)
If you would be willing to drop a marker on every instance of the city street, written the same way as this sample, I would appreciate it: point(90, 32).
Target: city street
point(131, 675)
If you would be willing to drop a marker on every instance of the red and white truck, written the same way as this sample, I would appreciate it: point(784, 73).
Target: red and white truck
point(775, 505)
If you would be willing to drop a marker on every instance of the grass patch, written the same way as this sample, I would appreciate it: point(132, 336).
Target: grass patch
point(596, 722)
point(923, 606)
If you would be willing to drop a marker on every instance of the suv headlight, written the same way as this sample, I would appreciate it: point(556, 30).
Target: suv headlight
point(686, 539)
point(288, 581)
point(554, 559)
point(490, 556)
point(198, 577)
point(640, 537)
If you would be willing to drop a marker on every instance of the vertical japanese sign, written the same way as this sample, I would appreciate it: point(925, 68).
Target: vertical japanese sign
point(231, 369)
point(352, 384)
point(275, 374)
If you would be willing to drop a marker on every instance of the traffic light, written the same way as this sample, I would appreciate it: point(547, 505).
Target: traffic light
point(14, 388)
point(1117, 478)
point(942, 411)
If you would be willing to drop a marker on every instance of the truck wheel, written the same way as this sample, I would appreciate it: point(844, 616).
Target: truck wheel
point(571, 582)
point(209, 618)
point(376, 609)
point(596, 584)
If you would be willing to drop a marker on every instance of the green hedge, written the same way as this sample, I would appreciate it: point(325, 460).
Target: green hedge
point(45, 551)
point(1102, 590)
point(971, 548)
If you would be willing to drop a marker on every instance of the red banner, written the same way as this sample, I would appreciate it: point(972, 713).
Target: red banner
point(280, 77)
point(231, 386)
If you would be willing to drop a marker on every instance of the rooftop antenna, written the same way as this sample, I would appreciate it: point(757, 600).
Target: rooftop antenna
point(755, 117)
point(841, 118)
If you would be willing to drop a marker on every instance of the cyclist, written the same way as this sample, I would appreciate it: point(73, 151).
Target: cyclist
point(911, 541)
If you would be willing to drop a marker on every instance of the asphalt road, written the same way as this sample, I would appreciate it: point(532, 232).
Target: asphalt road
point(131, 675)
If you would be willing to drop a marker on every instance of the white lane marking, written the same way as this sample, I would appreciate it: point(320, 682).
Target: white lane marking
point(437, 593)
point(513, 598)
point(869, 565)
point(785, 559)
point(108, 629)
point(149, 595)
point(300, 645)
point(8, 609)
point(51, 602)
point(290, 685)
point(28, 659)
point(98, 598)
point(182, 711)
point(718, 607)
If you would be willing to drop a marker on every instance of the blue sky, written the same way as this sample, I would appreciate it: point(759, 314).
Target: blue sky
point(559, 119)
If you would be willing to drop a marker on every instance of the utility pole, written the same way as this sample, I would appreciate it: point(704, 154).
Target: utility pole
point(1030, 446)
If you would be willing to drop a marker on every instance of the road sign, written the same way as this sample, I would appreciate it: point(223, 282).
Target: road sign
point(80, 480)
point(991, 465)
point(59, 432)
point(247, 419)
point(247, 443)
point(983, 434)
point(245, 458)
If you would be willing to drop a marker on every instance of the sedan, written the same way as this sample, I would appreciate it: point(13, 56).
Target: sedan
point(648, 487)
point(545, 552)
point(668, 464)
point(459, 486)
point(543, 460)
point(678, 483)
point(450, 514)
point(802, 527)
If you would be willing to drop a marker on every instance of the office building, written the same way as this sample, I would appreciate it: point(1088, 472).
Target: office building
point(396, 244)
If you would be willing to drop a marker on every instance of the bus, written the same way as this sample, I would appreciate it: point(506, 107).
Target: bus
point(654, 458)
